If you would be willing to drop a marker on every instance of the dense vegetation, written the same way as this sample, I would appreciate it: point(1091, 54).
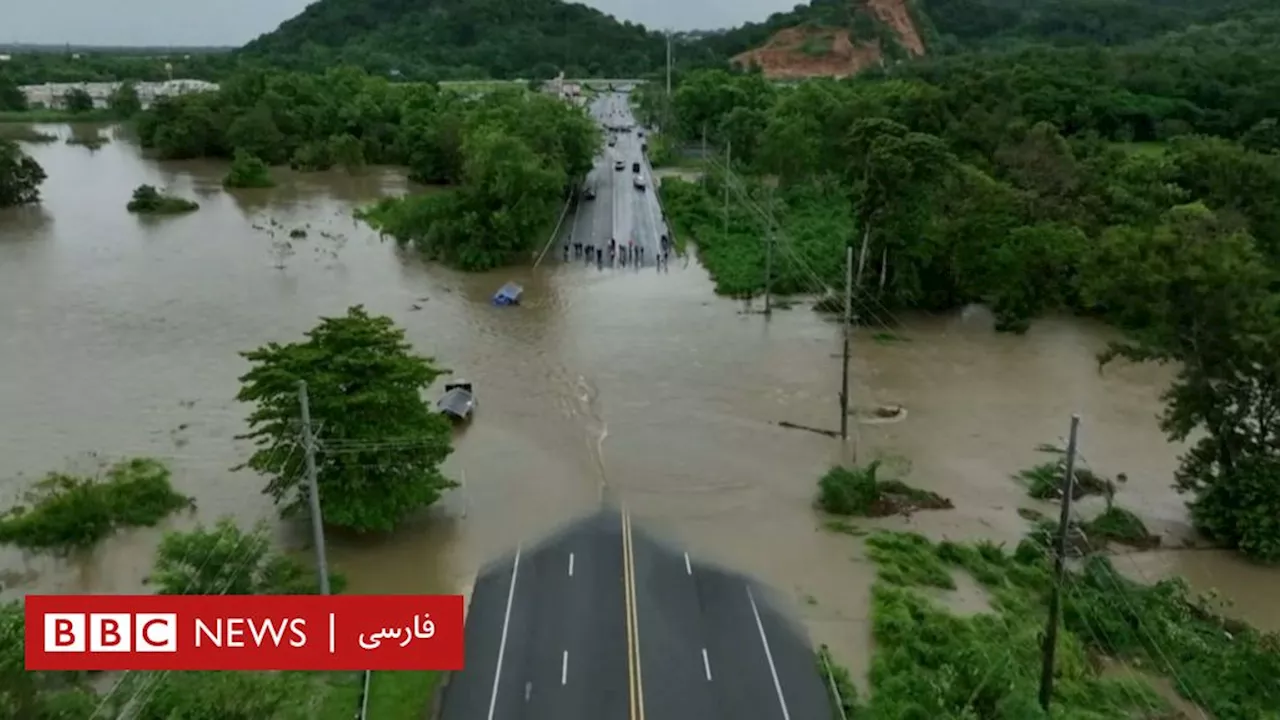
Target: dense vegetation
point(219, 560)
point(67, 512)
point(34, 68)
point(933, 663)
point(20, 176)
point(383, 444)
point(502, 39)
point(508, 156)
point(1138, 184)
point(445, 39)
point(147, 200)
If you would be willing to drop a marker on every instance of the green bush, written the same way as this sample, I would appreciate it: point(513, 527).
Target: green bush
point(65, 512)
point(931, 663)
point(858, 491)
point(147, 200)
point(247, 171)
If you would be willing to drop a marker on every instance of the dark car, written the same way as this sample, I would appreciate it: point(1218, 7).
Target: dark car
point(644, 147)
point(635, 167)
point(589, 193)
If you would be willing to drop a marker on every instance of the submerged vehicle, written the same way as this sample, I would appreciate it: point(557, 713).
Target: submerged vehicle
point(458, 401)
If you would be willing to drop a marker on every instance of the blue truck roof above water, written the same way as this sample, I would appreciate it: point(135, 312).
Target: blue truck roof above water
point(508, 294)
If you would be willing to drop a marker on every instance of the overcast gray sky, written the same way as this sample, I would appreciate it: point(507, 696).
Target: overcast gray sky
point(234, 22)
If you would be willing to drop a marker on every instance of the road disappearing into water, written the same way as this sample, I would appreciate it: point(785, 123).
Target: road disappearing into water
point(602, 622)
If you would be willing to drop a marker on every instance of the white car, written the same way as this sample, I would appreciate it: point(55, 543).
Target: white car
point(638, 181)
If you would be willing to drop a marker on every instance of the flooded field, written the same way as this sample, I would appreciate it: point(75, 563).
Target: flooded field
point(120, 337)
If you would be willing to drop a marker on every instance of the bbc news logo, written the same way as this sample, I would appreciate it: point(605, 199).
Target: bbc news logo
point(110, 632)
point(226, 632)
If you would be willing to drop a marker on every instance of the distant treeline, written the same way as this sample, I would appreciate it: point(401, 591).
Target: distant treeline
point(128, 50)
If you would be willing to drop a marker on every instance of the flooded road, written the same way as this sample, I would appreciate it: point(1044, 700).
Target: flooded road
point(120, 337)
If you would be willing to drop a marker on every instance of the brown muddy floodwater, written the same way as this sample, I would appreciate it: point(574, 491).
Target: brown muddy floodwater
point(119, 337)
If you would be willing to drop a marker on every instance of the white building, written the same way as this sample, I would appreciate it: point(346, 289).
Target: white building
point(50, 95)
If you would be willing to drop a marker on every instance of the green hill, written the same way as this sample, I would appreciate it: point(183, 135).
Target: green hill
point(446, 39)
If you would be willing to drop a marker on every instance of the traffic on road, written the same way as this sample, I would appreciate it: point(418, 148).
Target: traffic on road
point(617, 222)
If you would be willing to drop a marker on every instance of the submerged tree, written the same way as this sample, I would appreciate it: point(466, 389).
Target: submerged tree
point(20, 176)
point(381, 444)
point(1195, 290)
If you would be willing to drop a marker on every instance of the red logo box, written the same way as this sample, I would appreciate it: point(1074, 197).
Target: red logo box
point(244, 632)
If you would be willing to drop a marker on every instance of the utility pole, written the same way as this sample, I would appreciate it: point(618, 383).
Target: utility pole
point(313, 489)
point(1059, 566)
point(728, 168)
point(668, 66)
point(844, 374)
point(768, 261)
point(768, 273)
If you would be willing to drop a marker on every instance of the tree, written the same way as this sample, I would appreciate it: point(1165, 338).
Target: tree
point(225, 560)
point(382, 444)
point(12, 98)
point(77, 100)
point(20, 176)
point(247, 171)
point(124, 101)
point(229, 696)
point(35, 695)
point(1195, 290)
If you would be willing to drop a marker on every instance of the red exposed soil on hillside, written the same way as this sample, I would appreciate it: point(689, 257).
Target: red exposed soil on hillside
point(807, 51)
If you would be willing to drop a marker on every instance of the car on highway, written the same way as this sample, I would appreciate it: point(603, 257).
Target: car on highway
point(619, 165)
point(635, 167)
point(613, 142)
point(589, 193)
point(638, 181)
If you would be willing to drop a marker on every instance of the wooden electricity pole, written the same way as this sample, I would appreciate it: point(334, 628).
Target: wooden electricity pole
point(1059, 569)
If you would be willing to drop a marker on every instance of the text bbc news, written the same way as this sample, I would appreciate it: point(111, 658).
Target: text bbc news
point(278, 632)
point(158, 632)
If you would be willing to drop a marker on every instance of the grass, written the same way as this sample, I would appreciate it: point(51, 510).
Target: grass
point(401, 695)
point(812, 217)
point(859, 491)
point(343, 696)
point(931, 663)
point(404, 695)
point(92, 141)
point(55, 116)
point(26, 133)
point(66, 512)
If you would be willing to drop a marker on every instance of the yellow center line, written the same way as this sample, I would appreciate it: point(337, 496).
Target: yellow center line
point(635, 623)
point(626, 584)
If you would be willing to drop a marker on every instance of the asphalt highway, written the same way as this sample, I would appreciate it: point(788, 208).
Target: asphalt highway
point(602, 622)
point(620, 210)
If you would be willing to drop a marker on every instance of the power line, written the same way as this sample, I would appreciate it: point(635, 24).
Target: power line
point(186, 590)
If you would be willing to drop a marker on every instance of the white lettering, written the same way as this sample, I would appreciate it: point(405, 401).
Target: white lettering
point(241, 632)
point(214, 635)
point(235, 632)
